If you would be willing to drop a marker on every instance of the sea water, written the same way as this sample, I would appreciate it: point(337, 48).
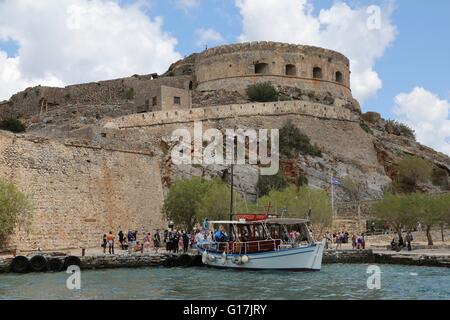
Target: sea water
point(337, 281)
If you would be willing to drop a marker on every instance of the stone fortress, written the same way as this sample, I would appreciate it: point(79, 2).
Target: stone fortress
point(96, 157)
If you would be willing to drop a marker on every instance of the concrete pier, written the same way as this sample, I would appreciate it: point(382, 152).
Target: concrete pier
point(426, 258)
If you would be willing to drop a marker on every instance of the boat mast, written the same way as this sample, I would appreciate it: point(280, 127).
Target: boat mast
point(232, 191)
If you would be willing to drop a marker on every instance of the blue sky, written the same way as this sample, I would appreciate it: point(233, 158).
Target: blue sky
point(410, 55)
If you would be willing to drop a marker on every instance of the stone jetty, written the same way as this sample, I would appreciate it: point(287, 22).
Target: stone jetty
point(148, 260)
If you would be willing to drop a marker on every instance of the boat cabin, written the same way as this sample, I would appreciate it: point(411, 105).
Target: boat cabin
point(257, 233)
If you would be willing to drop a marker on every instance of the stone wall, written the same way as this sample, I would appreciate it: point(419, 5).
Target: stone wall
point(347, 148)
point(236, 110)
point(80, 193)
point(119, 91)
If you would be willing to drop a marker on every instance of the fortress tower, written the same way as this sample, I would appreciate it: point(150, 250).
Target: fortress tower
point(234, 67)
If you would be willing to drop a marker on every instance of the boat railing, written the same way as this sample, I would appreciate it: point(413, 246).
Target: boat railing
point(242, 247)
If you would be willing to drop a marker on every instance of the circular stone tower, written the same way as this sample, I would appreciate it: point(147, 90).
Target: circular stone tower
point(234, 67)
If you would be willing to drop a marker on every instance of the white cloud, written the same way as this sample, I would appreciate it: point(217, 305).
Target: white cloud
point(340, 28)
point(13, 80)
point(78, 41)
point(426, 113)
point(207, 36)
point(187, 4)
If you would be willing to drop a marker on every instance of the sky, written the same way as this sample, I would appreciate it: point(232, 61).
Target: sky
point(399, 49)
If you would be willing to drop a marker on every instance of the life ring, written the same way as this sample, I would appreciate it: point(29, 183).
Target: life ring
point(38, 264)
point(20, 264)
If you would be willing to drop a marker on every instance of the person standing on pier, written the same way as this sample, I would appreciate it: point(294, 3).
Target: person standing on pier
point(166, 239)
point(131, 241)
point(121, 239)
point(104, 243)
point(156, 240)
point(185, 238)
point(147, 241)
point(363, 241)
point(110, 239)
point(408, 239)
point(354, 239)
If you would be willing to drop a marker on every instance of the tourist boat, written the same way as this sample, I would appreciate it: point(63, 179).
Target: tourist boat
point(261, 242)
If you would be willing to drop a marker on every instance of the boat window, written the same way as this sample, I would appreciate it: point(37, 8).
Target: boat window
point(243, 233)
point(260, 233)
point(252, 232)
point(275, 231)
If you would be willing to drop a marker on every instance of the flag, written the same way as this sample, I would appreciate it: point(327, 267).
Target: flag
point(335, 182)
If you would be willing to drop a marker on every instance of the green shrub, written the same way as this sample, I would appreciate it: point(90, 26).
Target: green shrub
point(302, 181)
point(262, 92)
point(266, 184)
point(129, 94)
point(365, 127)
point(13, 125)
point(439, 177)
point(399, 129)
point(293, 141)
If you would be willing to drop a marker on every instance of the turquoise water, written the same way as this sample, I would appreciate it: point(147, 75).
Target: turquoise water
point(333, 282)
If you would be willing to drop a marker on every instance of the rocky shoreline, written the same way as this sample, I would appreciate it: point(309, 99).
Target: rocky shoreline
point(191, 260)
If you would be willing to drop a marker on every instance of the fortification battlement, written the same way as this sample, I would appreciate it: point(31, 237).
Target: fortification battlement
point(232, 111)
point(276, 46)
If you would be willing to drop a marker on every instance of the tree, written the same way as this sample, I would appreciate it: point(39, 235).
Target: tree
point(183, 202)
point(15, 209)
point(191, 201)
point(396, 210)
point(215, 204)
point(443, 212)
point(426, 209)
point(268, 183)
point(413, 170)
point(295, 202)
point(262, 92)
point(407, 210)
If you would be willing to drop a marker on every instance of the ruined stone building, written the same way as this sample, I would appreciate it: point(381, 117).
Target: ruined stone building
point(96, 156)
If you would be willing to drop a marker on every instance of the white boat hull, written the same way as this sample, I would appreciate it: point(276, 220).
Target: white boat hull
point(306, 258)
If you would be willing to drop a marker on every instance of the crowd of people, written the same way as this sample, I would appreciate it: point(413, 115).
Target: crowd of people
point(398, 242)
point(358, 241)
point(134, 241)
